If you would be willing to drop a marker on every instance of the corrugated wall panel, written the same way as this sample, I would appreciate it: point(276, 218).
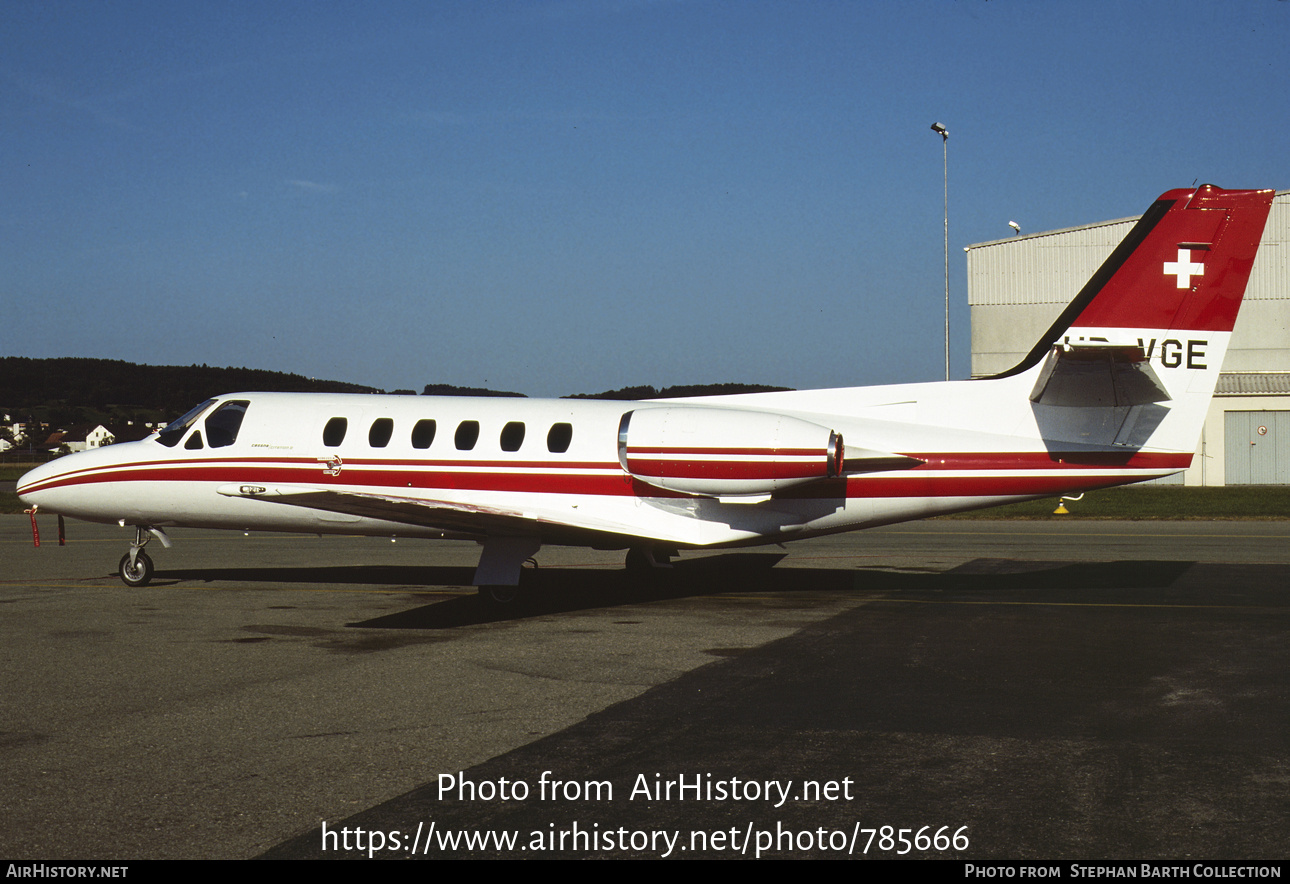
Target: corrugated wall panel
point(1041, 269)
point(1051, 268)
point(1270, 277)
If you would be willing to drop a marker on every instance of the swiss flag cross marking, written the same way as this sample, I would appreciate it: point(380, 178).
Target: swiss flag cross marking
point(1184, 268)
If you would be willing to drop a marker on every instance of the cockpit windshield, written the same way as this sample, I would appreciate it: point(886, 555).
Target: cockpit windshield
point(172, 432)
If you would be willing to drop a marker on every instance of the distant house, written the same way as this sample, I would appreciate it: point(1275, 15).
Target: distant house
point(25, 434)
point(82, 438)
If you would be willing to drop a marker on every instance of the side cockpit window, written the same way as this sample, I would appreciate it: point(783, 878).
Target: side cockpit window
point(174, 431)
point(224, 422)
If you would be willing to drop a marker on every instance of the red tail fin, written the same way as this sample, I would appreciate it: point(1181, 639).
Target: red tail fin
point(1183, 266)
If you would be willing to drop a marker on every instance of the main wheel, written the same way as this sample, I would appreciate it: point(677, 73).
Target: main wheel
point(638, 562)
point(140, 573)
point(645, 571)
point(499, 596)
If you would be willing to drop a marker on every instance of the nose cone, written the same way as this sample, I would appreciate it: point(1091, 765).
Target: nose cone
point(77, 485)
point(30, 484)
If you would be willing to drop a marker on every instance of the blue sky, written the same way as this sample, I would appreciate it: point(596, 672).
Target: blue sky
point(573, 196)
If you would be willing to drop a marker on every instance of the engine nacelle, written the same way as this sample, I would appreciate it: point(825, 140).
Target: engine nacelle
point(718, 451)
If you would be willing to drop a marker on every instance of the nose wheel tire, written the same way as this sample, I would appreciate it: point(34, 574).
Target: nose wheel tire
point(138, 574)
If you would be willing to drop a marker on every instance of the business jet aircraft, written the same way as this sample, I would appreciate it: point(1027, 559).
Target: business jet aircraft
point(1114, 393)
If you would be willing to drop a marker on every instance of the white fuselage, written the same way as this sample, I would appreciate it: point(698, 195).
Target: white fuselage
point(973, 443)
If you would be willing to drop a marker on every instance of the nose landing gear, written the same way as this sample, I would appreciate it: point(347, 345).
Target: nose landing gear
point(137, 572)
point(136, 565)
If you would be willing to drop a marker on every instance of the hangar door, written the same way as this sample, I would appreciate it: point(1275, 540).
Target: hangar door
point(1258, 447)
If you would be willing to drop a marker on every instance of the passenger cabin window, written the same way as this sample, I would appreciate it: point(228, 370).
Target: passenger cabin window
point(512, 436)
point(379, 435)
point(467, 435)
point(423, 434)
point(334, 432)
point(172, 432)
point(224, 422)
point(559, 437)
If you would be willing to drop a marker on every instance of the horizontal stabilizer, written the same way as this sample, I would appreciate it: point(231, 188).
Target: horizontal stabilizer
point(1087, 375)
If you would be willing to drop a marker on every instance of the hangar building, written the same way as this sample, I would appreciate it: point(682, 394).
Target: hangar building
point(1018, 286)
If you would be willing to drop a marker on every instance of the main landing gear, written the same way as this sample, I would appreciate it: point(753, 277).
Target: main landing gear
point(498, 595)
point(649, 566)
point(504, 560)
point(136, 565)
point(501, 595)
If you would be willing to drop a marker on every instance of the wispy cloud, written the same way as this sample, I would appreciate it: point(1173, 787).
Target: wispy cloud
point(52, 93)
point(454, 119)
point(438, 118)
point(312, 186)
point(575, 9)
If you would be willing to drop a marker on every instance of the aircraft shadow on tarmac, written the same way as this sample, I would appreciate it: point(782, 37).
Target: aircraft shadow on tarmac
point(748, 575)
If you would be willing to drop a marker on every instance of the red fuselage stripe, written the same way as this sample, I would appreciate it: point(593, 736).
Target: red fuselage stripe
point(1073, 470)
point(637, 450)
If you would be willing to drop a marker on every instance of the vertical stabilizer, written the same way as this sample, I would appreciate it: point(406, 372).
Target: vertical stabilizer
point(1134, 359)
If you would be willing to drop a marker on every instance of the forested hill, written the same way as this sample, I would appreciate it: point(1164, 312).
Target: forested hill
point(101, 383)
point(72, 390)
point(680, 391)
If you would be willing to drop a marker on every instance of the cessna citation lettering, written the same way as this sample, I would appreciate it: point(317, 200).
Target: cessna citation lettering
point(1114, 393)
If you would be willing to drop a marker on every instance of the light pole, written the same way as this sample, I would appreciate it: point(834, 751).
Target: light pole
point(945, 150)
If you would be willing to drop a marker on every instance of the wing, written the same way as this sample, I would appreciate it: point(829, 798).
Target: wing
point(567, 524)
